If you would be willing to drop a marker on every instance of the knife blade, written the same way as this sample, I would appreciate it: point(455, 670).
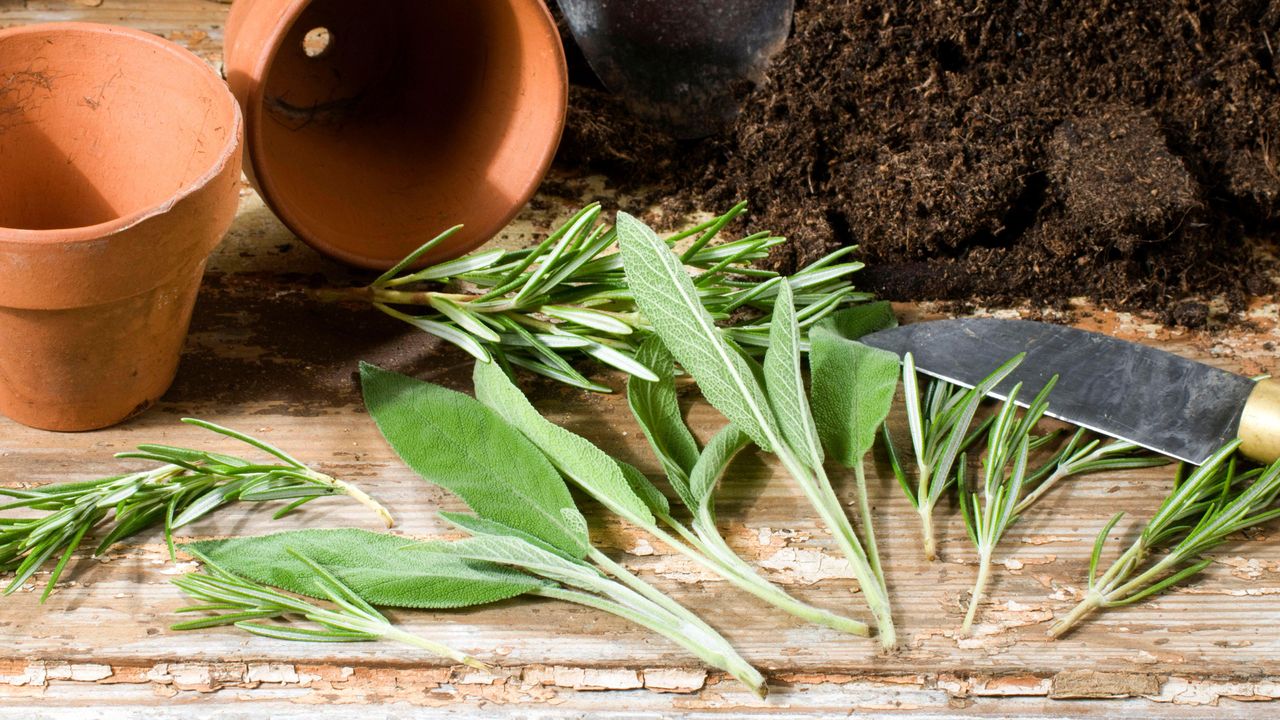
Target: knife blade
point(1126, 390)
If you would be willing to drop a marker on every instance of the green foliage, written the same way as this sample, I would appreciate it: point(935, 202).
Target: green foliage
point(458, 443)
point(567, 297)
point(369, 563)
point(785, 384)
point(939, 421)
point(573, 455)
point(1204, 510)
point(668, 297)
point(693, 475)
point(713, 461)
point(226, 599)
point(188, 485)
point(774, 413)
point(991, 510)
point(503, 462)
point(657, 409)
point(853, 384)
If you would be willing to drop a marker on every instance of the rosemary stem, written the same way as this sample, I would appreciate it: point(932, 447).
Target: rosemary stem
point(979, 590)
point(408, 638)
point(335, 295)
point(1091, 602)
point(1040, 490)
point(928, 543)
point(1103, 589)
point(358, 495)
point(1165, 566)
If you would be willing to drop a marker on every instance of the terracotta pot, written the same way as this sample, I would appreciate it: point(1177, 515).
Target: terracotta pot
point(120, 173)
point(374, 126)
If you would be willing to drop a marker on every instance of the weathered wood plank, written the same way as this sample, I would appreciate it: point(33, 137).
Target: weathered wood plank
point(264, 357)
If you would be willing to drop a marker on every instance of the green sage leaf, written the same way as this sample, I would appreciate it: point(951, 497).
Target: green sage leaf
point(711, 465)
point(454, 441)
point(586, 465)
point(853, 389)
point(476, 525)
point(852, 323)
point(513, 551)
point(370, 563)
point(657, 410)
point(644, 488)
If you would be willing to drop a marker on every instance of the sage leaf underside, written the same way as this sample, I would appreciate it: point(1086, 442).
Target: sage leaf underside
point(715, 458)
point(657, 409)
point(668, 298)
point(785, 382)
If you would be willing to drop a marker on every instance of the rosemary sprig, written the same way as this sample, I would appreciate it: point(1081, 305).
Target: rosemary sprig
point(187, 486)
point(540, 307)
point(1203, 511)
point(989, 514)
point(1091, 457)
point(1010, 490)
point(939, 421)
point(233, 600)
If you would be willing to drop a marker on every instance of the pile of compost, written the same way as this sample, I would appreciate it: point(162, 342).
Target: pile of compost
point(1127, 152)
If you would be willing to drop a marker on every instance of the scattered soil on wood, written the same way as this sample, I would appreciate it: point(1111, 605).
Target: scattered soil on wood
point(1123, 151)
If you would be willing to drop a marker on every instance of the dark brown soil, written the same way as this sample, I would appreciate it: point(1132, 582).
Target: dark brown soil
point(1001, 152)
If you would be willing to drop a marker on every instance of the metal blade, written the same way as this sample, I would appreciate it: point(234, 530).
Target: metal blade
point(1156, 399)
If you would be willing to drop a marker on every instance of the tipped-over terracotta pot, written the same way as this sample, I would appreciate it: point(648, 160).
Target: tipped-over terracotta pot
point(119, 166)
point(373, 126)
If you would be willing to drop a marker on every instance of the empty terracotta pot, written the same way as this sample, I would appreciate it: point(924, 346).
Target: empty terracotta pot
point(120, 157)
point(374, 126)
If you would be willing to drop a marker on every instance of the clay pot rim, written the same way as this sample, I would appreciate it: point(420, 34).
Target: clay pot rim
point(264, 179)
point(99, 231)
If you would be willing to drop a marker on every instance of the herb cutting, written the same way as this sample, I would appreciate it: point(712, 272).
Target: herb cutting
point(513, 467)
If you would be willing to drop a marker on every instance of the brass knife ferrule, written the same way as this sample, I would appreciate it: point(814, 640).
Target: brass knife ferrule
point(1260, 422)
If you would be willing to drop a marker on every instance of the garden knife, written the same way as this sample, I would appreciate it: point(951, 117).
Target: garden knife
point(1150, 397)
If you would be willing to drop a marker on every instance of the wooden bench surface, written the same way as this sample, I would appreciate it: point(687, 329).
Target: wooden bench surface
point(265, 358)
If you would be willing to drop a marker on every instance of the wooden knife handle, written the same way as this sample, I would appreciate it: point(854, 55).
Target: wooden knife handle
point(1260, 422)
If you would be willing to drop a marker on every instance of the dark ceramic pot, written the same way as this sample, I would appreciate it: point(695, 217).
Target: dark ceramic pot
point(680, 64)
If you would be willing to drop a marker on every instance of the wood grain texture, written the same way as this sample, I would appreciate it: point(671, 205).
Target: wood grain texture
point(265, 358)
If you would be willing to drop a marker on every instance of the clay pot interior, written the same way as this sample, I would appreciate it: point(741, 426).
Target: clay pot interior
point(85, 148)
point(378, 125)
point(120, 173)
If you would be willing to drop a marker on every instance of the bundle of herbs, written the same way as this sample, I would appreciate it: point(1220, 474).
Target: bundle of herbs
point(567, 297)
point(653, 311)
point(506, 463)
point(768, 403)
point(509, 464)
